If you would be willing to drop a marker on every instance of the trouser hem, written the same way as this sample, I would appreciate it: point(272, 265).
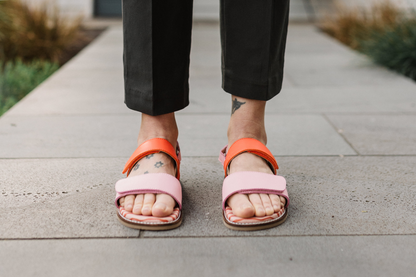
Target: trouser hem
point(244, 89)
point(139, 101)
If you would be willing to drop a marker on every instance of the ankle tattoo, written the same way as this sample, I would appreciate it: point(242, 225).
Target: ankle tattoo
point(159, 164)
point(148, 157)
point(236, 105)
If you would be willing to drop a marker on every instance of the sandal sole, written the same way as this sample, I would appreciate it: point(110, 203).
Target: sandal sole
point(153, 227)
point(255, 227)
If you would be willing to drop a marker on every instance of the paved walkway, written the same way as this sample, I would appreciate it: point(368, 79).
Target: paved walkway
point(300, 10)
point(343, 131)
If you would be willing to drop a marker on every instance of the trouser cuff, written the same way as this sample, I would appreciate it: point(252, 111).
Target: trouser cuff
point(141, 102)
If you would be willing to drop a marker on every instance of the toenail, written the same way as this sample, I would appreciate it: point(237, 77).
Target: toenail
point(129, 206)
point(160, 206)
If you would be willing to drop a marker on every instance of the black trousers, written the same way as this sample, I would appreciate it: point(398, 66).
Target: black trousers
point(157, 43)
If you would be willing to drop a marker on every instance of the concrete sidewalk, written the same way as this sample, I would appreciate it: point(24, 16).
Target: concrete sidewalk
point(343, 131)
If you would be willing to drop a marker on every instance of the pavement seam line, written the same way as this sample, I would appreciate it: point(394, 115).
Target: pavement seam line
point(341, 134)
point(199, 237)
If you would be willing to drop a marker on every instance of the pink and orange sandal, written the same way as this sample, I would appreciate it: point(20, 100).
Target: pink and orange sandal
point(246, 182)
point(151, 183)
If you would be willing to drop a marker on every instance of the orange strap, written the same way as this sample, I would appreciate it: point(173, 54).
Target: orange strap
point(249, 145)
point(151, 146)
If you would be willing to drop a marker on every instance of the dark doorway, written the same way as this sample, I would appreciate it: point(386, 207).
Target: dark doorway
point(107, 8)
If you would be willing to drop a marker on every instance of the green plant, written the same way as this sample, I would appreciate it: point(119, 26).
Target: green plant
point(385, 33)
point(40, 32)
point(19, 78)
point(394, 47)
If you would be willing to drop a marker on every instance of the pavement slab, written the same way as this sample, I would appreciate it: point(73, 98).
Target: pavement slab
point(329, 196)
point(60, 198)
point(309, 40)
point(318, 71)
point(339, 100)
point(290, 256)
point(67, 136)
point(77, 92)
point(201, 135)
point(374, 134)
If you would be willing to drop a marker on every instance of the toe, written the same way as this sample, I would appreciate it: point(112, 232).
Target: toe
point(275, 202)
point(282, 201)
point(241, 205)
point(267, 204)
point(121, 202)
point(258, 204)
point(128, 202)
point(148, 201)
point(163, 206)
point(138, 204)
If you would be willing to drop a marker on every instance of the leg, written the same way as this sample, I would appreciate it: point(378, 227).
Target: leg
point(253, 39)
point(162, 126)
point(247, 121)
point(157, 40)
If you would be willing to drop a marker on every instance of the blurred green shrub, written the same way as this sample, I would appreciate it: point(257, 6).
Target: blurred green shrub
point(394, 48)
point(386, 33)
point(40, 32)
point(32, 39)
point(19, 78)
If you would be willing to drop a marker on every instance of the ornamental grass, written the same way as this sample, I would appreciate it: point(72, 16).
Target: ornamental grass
point(384, 32)
point(35, 32)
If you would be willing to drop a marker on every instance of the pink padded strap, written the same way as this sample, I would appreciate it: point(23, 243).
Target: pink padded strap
point(253, 182)
point(150, 183)
point(223, 152)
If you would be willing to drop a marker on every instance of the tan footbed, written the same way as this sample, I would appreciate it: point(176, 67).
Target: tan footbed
point(255, 227)
point(151, 227)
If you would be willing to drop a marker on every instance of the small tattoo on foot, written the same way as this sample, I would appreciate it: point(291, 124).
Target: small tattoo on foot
point(148, 157)
point(146, 172)
point(236, 105)
point(136, 167)
point(159, 164)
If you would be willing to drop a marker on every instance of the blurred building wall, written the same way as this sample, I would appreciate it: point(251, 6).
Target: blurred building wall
point(301, 10)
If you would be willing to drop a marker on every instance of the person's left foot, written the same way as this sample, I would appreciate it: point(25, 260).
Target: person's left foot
point(247, 121)
point(249, 205)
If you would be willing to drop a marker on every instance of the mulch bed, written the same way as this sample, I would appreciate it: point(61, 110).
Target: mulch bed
point(86, 36)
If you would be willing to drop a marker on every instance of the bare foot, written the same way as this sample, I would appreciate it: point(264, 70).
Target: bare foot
point(247, 121)
point(150, 204)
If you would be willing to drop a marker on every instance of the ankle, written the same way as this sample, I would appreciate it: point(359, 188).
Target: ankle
point(247, 120)
point(235, 133)
point(162, 126)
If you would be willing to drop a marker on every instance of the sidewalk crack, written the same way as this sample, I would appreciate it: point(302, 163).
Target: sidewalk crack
point(341, 134)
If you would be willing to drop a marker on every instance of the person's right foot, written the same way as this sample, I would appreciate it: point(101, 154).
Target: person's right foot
point(150, 204)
